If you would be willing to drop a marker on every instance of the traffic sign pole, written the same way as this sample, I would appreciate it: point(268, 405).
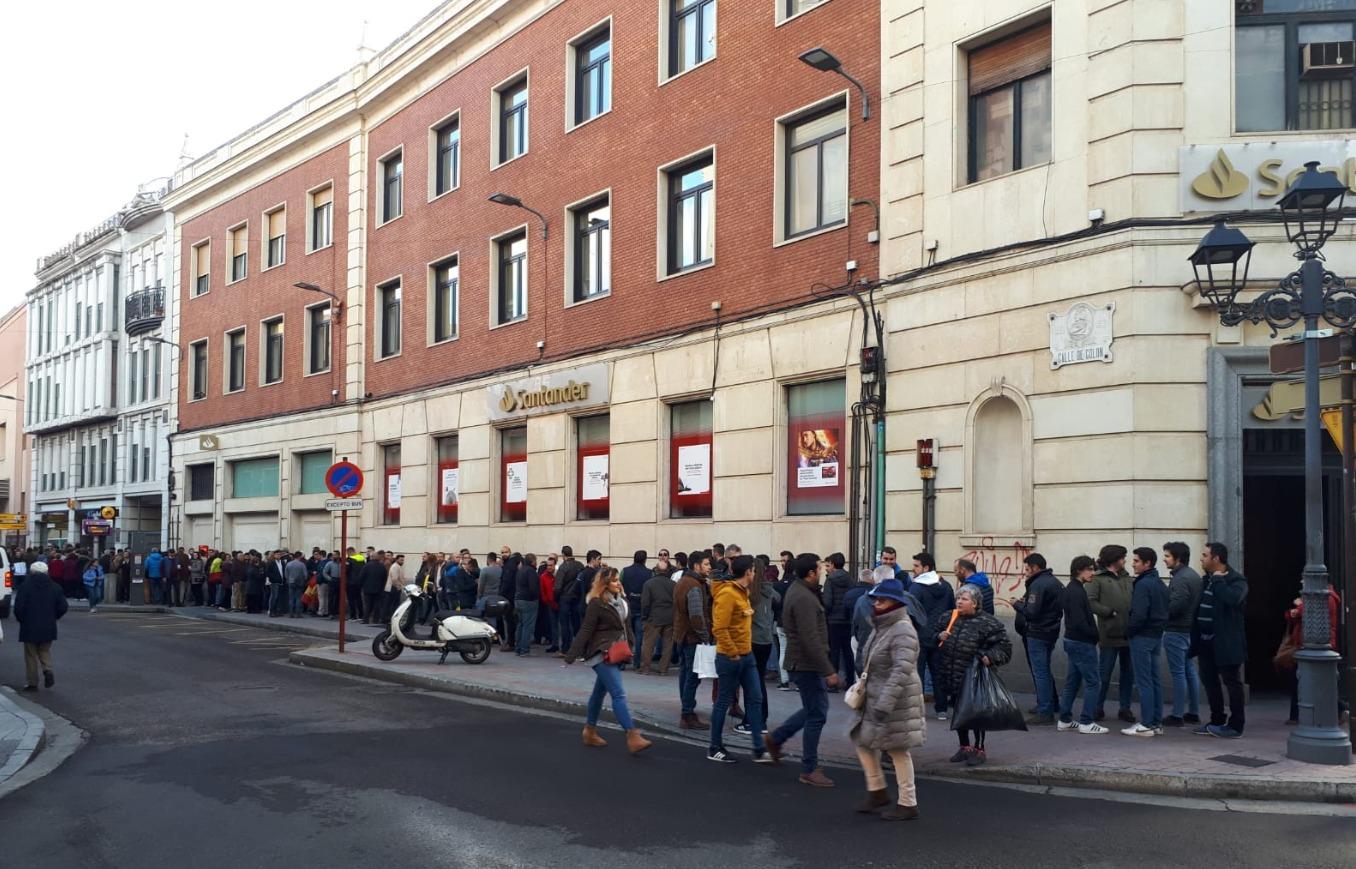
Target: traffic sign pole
point(343, 577)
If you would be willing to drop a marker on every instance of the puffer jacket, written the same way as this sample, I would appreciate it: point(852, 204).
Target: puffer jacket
point(971, 637)
point(1109, 596)
point(836, 586)
point(892, 717)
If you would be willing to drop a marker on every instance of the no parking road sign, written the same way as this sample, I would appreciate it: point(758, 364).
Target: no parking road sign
point(344, 479)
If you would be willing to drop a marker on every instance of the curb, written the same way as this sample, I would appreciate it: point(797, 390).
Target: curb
point(284, 626)
point(1035, 774)
point(30, 744)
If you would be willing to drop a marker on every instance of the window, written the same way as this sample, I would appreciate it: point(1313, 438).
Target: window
point(133, 354)
point(273, 350)
point(445, 279)
point(814, 432)
point(513, 120)
point(691, 214)
point(593, 76)
point(389, 299)
point(318, 336)
point(692, 33)
point(593, 444)
point(322, 218)
point(156, 353)
point(795, 7)
point(239, 250)
point(202, 482)
point(311, 471)
point(235, 361)
point(392, 186)
point(198, 370)
point(1010, 104)
point(276, 224)
point(447, 157)
point(254, 478)
point(816, 182)
point(449, 479)
point(512, 277)
point(592, 252)
point(690, 454)
point(390, 490)
point(513, 474)
point(145, 371)
point(103, 462)
point(1293, 65)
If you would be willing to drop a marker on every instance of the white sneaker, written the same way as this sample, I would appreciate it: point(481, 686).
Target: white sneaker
point(1066, 726)
point(1139, 730)
point(1092, 728)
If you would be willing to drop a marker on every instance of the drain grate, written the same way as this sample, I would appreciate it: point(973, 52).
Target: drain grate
point(1243, 760)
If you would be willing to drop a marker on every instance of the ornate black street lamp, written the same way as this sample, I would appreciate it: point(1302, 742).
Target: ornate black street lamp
point(1306, 294)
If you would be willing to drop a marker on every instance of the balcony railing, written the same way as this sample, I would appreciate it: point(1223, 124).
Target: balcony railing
point(143, 311)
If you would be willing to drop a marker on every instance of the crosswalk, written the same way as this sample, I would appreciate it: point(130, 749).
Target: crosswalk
point(244, 636)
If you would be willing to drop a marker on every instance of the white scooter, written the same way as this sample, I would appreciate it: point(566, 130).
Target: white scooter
point(452, 631)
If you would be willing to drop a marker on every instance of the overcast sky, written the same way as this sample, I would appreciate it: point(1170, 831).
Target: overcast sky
point(100, 95)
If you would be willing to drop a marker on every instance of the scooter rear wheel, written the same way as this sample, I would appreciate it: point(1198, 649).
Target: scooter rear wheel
point(385, 647)
point(478, 655)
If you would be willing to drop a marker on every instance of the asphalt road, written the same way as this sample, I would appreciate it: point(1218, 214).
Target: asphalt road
point(207, 750)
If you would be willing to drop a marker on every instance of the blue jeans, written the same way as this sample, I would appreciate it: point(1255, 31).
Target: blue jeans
point(96, 593)
point(734, 673)
point(157, 589)
point(609, 681)
point(813, 712)
point(687, 679)
point(1110, 655)
point(1186, 691)
point(1040, 650)
point(526, 610)
point(294, 593)
point(1084, 669)
point(1144, 652)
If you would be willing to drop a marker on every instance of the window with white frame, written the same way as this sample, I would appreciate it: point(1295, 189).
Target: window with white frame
point(447, 156)
point(322, 218)
point(275, 223)
point(239, 252)
point(318, 338)
point(511, 274)
point(444, 279)
point(273, 350)
point(388, 300)
point(691, 211)
point(592, 249)
point(815, 170)
point(392, 186)
point(512, 120)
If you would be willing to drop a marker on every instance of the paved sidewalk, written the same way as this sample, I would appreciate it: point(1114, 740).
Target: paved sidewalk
point(21, 736)
point(1177, 764)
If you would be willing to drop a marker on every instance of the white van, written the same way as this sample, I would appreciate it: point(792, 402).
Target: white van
point(7, 589)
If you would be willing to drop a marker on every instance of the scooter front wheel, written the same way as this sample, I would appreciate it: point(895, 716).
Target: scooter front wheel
point(385, 647)
point(478, 654)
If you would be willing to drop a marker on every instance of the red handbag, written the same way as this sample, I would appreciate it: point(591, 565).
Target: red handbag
point(619, 652)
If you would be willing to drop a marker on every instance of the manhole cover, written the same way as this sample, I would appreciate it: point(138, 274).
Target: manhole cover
point(1242, 760)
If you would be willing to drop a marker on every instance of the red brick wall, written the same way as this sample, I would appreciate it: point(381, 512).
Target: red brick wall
point(730, 102)
point(263, 294)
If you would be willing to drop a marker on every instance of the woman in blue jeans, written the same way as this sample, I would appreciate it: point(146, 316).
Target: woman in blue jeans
point(606, 621)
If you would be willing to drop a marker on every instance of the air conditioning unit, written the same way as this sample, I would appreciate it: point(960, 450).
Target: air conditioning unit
point(1323, 59)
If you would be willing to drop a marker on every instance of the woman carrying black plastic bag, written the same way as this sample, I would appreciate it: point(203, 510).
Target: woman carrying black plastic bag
point(964, 634)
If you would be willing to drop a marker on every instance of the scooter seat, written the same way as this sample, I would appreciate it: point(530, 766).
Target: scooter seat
point(469, 613)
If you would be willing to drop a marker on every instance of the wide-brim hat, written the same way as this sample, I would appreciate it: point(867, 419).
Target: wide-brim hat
point(890, 589)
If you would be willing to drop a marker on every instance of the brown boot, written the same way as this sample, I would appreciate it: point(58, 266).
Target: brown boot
point(591, 737)
point(635, 743)
point(816, 779)
point(874, 800)
point(900, 813)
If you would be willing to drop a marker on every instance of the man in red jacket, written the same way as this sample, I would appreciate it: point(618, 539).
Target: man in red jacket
point(547, 623)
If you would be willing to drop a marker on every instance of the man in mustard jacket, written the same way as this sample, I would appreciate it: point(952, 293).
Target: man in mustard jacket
point(732, 628)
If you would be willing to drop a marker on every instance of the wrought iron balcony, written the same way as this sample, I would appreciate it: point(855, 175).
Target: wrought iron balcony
point(144, 311)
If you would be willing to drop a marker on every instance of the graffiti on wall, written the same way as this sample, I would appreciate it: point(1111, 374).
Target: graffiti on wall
point(1003, 564)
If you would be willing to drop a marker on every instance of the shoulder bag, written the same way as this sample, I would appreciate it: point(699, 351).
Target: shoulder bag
point(855, 696)
point(620, 650)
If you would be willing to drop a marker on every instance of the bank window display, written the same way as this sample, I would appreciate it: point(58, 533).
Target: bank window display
point(513, 474)
point(390, 484)
point(311, 471)
point(592, 471)
point(815, 460)
point(1293, 66)
point(1009, 83)
point(449, 479)
point(690, 460)
point(250, 478)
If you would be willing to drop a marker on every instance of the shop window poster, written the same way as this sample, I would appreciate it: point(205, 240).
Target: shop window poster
point(817, 460)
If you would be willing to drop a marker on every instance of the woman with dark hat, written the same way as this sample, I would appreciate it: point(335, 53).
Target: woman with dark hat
point(890, 717)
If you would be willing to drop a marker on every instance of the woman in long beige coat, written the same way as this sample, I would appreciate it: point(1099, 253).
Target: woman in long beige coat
point(891, 719)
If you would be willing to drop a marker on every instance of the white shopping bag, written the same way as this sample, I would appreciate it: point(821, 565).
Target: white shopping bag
point(705, 664)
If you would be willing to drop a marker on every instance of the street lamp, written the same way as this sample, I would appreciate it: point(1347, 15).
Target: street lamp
point(1304, 295)
point(823, 60)
point(515, 202)
point(315, 288)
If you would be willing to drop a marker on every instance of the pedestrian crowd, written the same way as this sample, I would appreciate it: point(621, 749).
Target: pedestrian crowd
point(891, 640)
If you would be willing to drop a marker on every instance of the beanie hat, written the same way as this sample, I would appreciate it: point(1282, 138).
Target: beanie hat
point(38, 567)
